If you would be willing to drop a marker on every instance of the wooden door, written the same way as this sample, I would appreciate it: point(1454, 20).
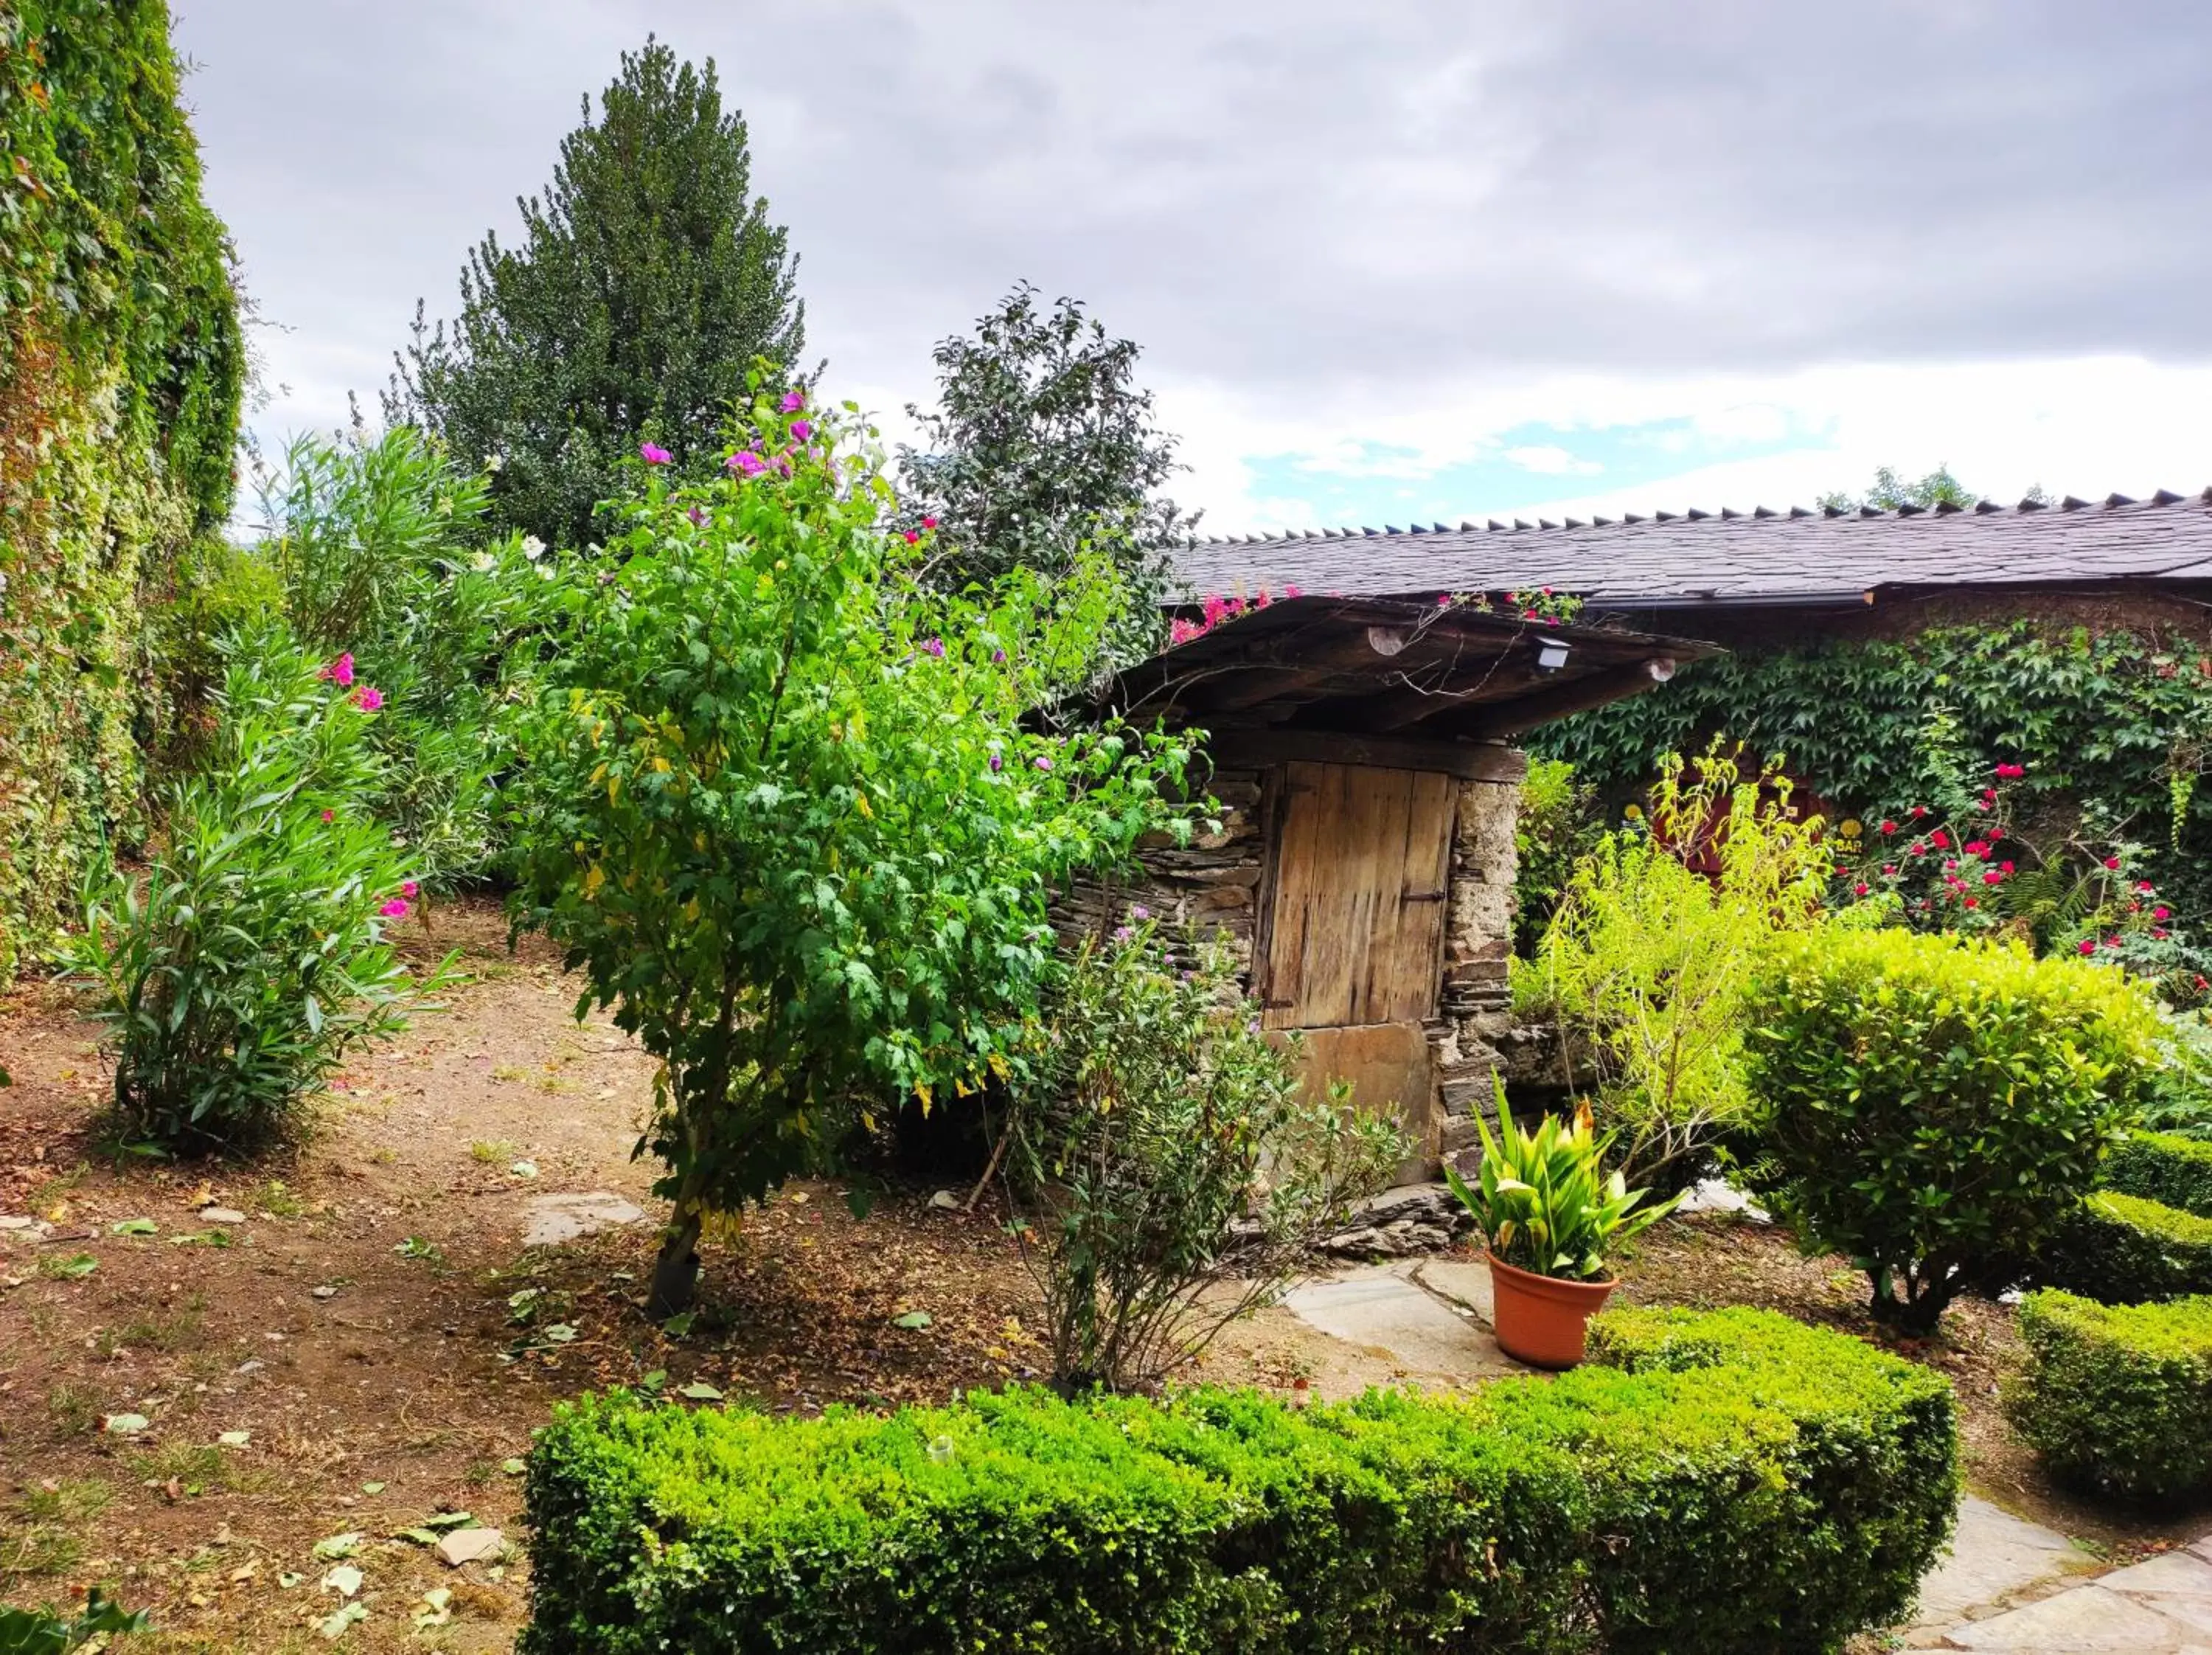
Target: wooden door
point(1362, 877)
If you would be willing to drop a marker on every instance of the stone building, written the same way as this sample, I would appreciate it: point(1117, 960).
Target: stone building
point(1360, 752)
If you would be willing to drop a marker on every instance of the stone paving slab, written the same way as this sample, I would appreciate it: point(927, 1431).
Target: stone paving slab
point(1994, 1558)
point(1383, 1308)
point(2085, 1620)
point(550, 1220)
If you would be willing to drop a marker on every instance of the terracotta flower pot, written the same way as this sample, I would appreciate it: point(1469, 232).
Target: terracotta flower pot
point(1541, 1320)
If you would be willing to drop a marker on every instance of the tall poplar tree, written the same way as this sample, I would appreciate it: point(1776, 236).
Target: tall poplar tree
point(648, 279)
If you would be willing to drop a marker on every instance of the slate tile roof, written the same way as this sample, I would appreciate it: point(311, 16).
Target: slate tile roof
point(1730, 557)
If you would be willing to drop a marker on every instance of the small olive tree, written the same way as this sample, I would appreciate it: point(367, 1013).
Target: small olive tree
point(784, 812)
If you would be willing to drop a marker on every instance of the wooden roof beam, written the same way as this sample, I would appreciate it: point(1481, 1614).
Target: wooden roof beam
point(1507, 719)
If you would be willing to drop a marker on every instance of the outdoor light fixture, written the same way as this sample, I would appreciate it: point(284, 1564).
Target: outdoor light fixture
point(1551, 654)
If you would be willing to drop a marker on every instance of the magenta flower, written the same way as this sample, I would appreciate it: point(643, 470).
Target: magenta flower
point(696, 516)
point(792, 401)
point(929, 522)
point(935, 647)
point(1140, 912)
point(912, 538)
point(653, 453)
point(408, 888)
point(748, 462)
point(330, 816)
point(2086, 946)
point(340, 672)
point(394, 909)
point(998, 658)
point(997, 764)
point(1122, 933)
point(802, 429)
point(368, 698)
point(1044, 764)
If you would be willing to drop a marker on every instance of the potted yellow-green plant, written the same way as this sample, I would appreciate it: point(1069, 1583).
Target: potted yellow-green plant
point(1549, 1211)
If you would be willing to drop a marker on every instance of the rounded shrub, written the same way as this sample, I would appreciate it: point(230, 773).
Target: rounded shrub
point(1935, 1108)
point(2114, 1397)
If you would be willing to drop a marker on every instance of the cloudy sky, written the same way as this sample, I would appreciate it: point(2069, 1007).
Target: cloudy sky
point(1406, 259)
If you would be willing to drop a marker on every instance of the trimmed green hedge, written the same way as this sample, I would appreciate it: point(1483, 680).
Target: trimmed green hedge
point(2119, 1249)
point(2118, 1398)
point(1734, 1482)
point(2161, 1167)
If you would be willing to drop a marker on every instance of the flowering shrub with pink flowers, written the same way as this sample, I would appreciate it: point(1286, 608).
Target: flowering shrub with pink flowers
point(787, 811)
point(238, 969)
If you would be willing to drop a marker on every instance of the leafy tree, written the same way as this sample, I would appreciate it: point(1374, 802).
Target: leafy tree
point(649, 281)
point(1891, 492)
point(785, 812)
point(1041, 444)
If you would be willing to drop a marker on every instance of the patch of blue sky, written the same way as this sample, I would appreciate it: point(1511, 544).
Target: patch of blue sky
point(1374, 483)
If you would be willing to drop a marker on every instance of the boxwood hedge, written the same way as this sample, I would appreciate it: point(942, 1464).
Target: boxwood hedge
point(2121, 1249)
point(1723, 1483)
point(2160, 1167)
point(2117, 1397)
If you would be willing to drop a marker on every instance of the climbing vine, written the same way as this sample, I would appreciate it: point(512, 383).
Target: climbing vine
point(2111, 728)
point(121, 368)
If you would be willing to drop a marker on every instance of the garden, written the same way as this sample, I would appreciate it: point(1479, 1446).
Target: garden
point(548, 1104)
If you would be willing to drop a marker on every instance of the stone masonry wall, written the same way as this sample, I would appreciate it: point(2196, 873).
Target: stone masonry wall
point(1474, 1020)
point(1212, 884)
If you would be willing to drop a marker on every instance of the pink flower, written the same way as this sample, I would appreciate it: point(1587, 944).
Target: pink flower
point(1182, 631)
point(1860, 888)
point(792, 401)
point(2161, 912)
point(1889, 870)
point(1940, 839)
point(1889, 826)
point(2144, 886)
point(748, 462)
point(935, 647)
point(1140, 912)
point(329, 816)
point(368, 698)
point(340, 672)
point(394, 909)
point(929, 522)
point(997, 764)
point(1977, 848)
point(2011, 772)
point(802, 429)
point(1044, 764)
point(912, 538)
point(2006, 867)
point(1974, 902)
point(1917, 812)
point(1991, 877)
point(2157, 933)
point(408, 888)
point(2112, 862)
point(2086, 946)
point(1292, 592)
point(696, 516)
point(998, 656)
point(653, 454)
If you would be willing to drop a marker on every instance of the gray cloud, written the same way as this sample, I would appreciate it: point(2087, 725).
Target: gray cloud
point(1287, 199)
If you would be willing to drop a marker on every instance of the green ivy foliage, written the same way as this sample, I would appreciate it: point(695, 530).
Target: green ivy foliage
point(121, 368)
point(2115, 720)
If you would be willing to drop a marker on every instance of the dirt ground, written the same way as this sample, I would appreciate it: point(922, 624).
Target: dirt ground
point(367, 1351)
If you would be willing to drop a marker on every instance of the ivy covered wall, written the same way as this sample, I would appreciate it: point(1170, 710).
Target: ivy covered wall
point(121, 368)
point(2111, 718)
